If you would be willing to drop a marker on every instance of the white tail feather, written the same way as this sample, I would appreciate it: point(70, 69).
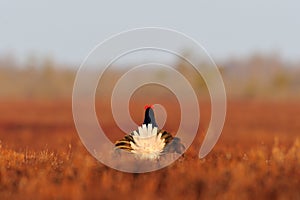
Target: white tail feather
point(147, 143)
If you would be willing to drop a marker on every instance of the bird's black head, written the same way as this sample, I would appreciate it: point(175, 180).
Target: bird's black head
point(149, 116)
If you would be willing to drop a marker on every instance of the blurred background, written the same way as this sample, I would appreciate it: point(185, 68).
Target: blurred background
point(255, 44)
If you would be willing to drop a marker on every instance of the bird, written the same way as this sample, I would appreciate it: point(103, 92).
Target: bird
point(148, 141)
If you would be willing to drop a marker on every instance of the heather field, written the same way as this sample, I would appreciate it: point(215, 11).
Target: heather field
point(257, 156)
point(155, 78)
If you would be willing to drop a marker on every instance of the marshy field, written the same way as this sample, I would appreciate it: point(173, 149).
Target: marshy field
point(257, 156)
point(96, 67)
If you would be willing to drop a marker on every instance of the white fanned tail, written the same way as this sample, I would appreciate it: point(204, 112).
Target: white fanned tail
point(147, 143)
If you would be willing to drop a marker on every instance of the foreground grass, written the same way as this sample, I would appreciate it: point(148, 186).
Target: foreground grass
point(36, 161)
point(71, 173)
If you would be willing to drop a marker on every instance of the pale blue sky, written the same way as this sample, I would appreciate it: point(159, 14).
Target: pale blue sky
point(68, 30)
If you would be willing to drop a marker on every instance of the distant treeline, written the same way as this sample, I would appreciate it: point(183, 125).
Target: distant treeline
point(253, 77)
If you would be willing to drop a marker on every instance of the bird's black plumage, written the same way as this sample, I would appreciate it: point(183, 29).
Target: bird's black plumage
point(149, 117)
point(171, 144)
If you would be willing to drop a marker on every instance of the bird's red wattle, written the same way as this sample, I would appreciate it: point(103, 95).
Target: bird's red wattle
point(148, 106)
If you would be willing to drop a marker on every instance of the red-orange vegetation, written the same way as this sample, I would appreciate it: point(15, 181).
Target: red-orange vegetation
point(257, 156)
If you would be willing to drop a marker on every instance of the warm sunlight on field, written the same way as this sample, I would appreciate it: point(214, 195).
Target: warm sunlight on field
point(257, 156)
point(75, 76)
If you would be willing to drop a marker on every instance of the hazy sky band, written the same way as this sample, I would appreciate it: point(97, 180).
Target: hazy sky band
point(67, 31)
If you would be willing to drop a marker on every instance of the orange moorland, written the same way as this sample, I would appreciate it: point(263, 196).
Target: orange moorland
point(257, 156)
